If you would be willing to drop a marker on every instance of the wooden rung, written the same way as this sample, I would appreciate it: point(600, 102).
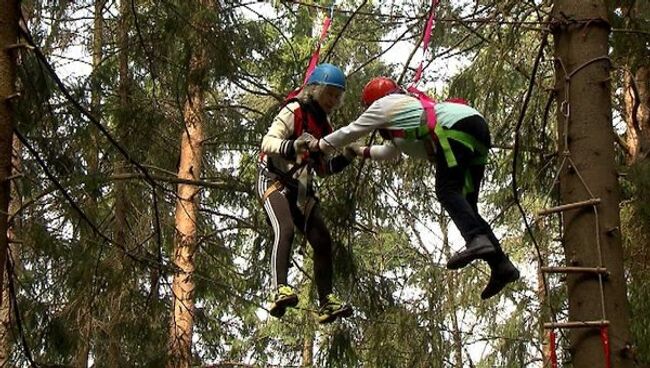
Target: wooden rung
point(602, 270)
point(19, 45)
point(578, 324)
point(570, 206)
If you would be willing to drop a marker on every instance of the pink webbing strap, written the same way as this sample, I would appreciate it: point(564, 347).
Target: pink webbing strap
point(428, 105)
point(551, 343)
point(314, 57)
point(604, 338)
point(425, 40)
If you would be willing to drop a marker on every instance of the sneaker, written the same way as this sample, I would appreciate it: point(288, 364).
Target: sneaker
point(283, 298)
point(502, 274)
point(479, 248)
point(332, 309)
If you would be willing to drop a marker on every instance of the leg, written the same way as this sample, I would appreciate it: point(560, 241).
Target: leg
point(278, 211)
point(321, 242)
point(477, 172)
point(502, 271)
point(277, 208)
point(449, 191)
point(319, 237)
point(461, 208)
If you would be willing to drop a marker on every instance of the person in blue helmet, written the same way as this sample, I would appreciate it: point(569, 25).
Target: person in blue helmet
point(284, 185)
point(456, 139)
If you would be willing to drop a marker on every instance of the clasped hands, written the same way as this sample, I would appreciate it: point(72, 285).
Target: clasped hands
point(307, 142)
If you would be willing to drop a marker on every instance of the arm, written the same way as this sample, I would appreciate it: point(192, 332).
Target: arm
point(333, 165)
point(384, 152)
point(379, 152)
point(374, 117)
point(277, 139)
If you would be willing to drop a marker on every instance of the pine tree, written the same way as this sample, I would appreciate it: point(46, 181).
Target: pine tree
point(581, 47)
point(8, 37)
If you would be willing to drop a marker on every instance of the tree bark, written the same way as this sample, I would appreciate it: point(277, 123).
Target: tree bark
point(581, 32)
point(122, 123)
point(189, 168)
point(456, 334)
point(543, 297)
point(637, 112)
point(15, 203)
point(308, 349)
point(8, 36)
point(636, 86)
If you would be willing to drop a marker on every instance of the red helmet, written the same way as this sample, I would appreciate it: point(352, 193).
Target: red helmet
point(377, 88)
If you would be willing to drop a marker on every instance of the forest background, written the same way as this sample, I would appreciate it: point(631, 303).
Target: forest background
point(135, 237)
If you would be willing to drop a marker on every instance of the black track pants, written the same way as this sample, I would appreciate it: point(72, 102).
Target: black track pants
point(284, 216)
point(463, 209)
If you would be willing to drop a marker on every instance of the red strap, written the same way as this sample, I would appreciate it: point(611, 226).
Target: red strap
point(604, 338)
point(551, 343)
point(314, 57)
point(458, 100)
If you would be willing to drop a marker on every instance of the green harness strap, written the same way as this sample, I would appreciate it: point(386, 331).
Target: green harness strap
point(444, 135)
point(467, 140)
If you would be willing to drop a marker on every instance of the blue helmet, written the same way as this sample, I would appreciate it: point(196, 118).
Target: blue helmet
point(329, 75)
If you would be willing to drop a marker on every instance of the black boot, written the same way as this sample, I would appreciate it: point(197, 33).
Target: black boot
point(480, 247)
point(502, 273)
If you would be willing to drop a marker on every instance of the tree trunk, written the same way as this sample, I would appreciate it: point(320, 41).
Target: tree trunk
point(191, 151)
point(543, 297)
point(637, 113)
point(96, 87)
point(581, 35)
point(452, 292)
point(636, 85)
point(8, 36)
point(15, 203)
point(86, 235)
point(122, 124)
point(308, 349)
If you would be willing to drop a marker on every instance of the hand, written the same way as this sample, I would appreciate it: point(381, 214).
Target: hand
point(311, 141)
point(300, 146)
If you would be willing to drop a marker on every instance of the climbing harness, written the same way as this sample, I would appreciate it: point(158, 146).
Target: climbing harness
point(429, 132)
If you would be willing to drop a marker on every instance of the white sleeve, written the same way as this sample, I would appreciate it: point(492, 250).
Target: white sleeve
point(384, 152)
point(277, 137)
point(374, 117)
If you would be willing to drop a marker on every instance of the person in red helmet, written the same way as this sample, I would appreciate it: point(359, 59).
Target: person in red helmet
point(284, 185)
point(457, 143)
